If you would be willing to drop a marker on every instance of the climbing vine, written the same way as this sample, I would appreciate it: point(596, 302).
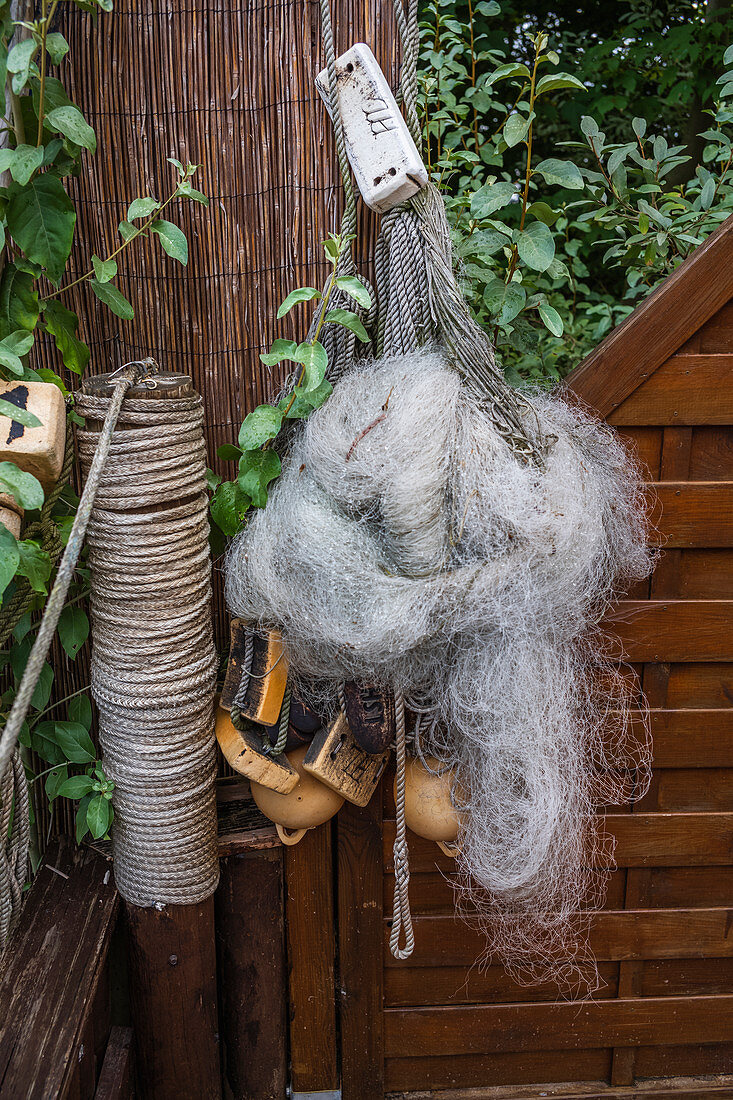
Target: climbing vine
point(47, 140)
point(258, 462)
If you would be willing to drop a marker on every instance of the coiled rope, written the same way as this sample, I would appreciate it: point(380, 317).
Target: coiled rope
point(153, 659)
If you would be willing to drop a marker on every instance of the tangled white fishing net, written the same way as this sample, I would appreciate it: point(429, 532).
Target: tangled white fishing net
point(405, 544)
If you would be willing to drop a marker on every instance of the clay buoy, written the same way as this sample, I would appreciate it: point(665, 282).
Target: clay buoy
point(429, 811)
point(309, 804)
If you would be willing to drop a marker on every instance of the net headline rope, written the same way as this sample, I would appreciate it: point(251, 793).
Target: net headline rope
point(153, 658)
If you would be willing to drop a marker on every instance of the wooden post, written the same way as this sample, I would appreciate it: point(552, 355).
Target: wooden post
point(173, 1001)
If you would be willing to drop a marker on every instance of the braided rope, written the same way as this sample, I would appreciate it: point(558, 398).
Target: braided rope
point(153, 658)
point(241, 693)
point(401, 918)
point(282, 732)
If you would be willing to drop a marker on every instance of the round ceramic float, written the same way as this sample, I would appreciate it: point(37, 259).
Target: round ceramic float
point(309, 804)
point(429, 811)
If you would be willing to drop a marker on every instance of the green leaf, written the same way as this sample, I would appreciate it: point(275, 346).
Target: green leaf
point(638, 125)
point(75, 742)
point(562, 172)
point(302, 294)
point(70, 122)
point(551, 318)
point(653, 214)
point(82, 826)
point(35, 564)
point(73, 629)
point(515, 129)
point(142, 208)
point(191, 193)
point(300, 405)
point(9, 558)
point(22, 162)
point(104, 269)
point(76, 787)
point(24, 487)
point(512, 68)
point(491, 197)
point(707, 194)
point(728, 56)
point(555, 81)
point(19, 342)
point(41, 219)
point(80, 710)
point(281, 349)
point(228, 452)
point(11, 362)
point(57, 47)
point(504, 301)
point(348, 320)
point(62, 324)
point(589, 126)
point(228, 507)
point(172, 238)
point(18, 301)
point(256, 470)
point(54, 780)
point(543, 213)
point(19, 63)
point(98, 816)
point(536, 246)
point(315, 360)
point(112, 297)
point(43, 741)
point(355, 289)
point(126, 231)
point(263, 423)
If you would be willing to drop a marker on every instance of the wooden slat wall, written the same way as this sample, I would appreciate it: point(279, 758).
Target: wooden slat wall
point(665, 939)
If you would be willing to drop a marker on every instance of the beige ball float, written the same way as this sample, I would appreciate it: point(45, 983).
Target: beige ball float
point(309, 804)
point(429, 811)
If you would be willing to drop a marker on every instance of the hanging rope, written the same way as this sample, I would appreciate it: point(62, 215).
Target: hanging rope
point(153, 659)
point(401, 916)
point(13, 785)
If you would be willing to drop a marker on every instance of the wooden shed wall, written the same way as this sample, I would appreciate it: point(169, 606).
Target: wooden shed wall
point(665, 939)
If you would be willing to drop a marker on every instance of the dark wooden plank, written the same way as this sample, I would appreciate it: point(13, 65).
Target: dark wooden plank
point(715, 337)
point(482, 1072)
point(642, 840)
point(697, 574)
point(116, 1081)
point(692, 738)
point(673, 630)
point(689, 887)
point(689, 790)
point(252, 973)
point(311, 961)
point(648, 1021)
point(172, 958)
point(51, 970)
point(406, 985)
point(658, 326)
point(686, 390)
point(360, 915)
point(646, 446)
point(677, 977)
point(690, 514)
point(624, 934)
point(674, 1061)
point(708, 686)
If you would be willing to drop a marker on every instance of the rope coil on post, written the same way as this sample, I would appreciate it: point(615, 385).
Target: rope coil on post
point(153, 658)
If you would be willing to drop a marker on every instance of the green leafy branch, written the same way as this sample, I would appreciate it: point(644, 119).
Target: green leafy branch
point(258, 462)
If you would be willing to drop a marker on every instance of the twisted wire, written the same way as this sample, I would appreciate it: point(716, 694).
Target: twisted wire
point(153, 658)
point(401, 916)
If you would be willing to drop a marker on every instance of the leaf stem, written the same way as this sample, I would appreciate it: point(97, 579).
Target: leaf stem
point(42, 89)
point(138, 232)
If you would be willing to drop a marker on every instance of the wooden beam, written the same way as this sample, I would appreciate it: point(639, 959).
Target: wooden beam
point(687, 389)
point(673, 630)
point(172, 963)
point(658, 327)
point(615, 936)
point(252, 968)
point(691, 514)
point(116, 1081)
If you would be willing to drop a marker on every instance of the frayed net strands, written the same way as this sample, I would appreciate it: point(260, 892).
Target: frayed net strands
point(406, 544)
point(153, 659)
